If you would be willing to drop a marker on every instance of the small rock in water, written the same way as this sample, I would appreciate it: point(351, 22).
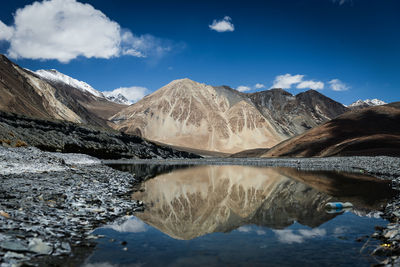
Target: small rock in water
point(66, 248)
point(36, 245)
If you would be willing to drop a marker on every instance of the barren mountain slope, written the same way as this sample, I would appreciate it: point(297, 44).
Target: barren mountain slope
point(27, 93)
point(80, 97)
point(23, 93)
point(370, 131)
point(293, 115)
point(190, 114)
point(92, 109)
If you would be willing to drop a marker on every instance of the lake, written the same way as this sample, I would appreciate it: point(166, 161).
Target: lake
point(245, 216)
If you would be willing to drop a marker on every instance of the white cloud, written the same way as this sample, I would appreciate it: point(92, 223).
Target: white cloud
point(133, 225)
point(340, 230)
point(145, 45)
point(338, 85)
point(243, 88)
point(311, 85)
point(290, 237)
point(224, 25)
point(133, 93)
point(261, 232)
point(5, 32)
point(66, 29)
point(285, 81)
point(250, 229)
point(312, 233)
point(259, 86)
point(244, 229)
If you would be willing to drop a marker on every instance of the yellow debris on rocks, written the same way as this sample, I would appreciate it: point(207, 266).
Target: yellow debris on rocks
point(4, 214)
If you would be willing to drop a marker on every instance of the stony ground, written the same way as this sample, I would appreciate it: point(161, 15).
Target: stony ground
point(50, 202)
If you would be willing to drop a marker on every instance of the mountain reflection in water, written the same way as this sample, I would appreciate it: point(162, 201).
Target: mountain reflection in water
point(190, 202)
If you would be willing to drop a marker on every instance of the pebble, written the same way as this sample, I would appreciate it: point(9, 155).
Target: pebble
point(36, 245)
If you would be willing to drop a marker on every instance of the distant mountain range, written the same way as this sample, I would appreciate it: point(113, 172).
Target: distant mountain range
point(367, 132)
point(185, 114)
point(189, 114)
point(366, 103)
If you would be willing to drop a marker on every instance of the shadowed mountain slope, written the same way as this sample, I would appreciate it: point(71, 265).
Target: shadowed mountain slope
point(370, 131)
point(26, 93)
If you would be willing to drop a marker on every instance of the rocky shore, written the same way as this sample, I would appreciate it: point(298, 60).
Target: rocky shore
point(50, 202)
point(61, 136)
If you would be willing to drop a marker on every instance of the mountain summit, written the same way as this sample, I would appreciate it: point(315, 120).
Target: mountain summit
point(189, 114)
point(56, 76)
point(366, 103)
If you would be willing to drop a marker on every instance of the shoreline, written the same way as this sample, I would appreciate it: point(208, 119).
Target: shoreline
point(382, 167)
point(51, 202)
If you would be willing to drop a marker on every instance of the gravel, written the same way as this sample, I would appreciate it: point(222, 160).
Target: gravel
point(50, 202)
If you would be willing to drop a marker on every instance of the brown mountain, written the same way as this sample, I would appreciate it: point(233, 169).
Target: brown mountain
point(24, 92)
point(293, 115)
point(188, 114)
point(369, 131)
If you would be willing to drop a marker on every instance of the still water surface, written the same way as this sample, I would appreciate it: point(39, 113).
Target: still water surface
point(244, 216)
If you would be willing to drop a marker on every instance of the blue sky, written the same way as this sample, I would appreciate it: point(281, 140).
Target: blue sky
point(351, 46)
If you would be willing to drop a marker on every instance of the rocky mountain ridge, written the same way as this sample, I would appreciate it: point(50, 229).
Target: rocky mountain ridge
point(117, 98)
point(369, 131)
point(52, 95)
point(366, 103)
point(189, 114)
point(58, 77)
point(62, 136)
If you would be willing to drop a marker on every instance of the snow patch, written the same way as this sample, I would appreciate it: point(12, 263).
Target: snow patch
point(116, 97)
point(56, 76)
point(369, 102)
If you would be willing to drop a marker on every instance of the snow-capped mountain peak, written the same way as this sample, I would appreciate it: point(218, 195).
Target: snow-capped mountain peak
point(117, 98)
point(368, 102)
point(56, 76)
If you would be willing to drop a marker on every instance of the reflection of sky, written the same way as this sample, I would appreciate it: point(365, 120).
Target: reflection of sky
point(251, 229)
point(298, 236)
point(132, 225)
point(250, 244)
point(287, 236)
